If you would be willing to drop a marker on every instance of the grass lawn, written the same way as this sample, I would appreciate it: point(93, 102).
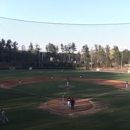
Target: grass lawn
point(20, 102)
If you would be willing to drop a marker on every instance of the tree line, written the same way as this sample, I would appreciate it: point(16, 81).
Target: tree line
point(98, 56)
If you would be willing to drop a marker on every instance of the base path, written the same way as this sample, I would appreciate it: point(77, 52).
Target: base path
point(15, 82)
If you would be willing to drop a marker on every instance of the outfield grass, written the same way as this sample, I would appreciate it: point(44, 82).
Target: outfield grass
point(4, 75)
point(20, 102)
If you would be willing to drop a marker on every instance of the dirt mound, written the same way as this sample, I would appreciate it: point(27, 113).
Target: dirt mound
point(82, 106)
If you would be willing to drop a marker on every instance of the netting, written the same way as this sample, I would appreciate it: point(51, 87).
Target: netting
point(44, 33)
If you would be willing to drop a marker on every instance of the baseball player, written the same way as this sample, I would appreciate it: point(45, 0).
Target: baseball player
point(69, 102)
point(72, 103)
point(127, 85)
point(63, 99)
point(20, 82)
point(67, 83)
point(3, 117)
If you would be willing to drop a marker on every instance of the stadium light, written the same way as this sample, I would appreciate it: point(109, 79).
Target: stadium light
point(40, 59)
point(91, 57)
point(122, 49)
point(92, 51)
point(121, 59)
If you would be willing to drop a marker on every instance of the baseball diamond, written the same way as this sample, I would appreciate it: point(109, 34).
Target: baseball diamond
point(82, 106)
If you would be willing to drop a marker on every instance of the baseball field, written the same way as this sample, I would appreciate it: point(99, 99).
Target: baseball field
point(101, 100)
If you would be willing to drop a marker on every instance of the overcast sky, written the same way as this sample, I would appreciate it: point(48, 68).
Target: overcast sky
point(97, 12)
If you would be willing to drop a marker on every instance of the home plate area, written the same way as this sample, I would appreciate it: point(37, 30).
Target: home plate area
point(82, 106)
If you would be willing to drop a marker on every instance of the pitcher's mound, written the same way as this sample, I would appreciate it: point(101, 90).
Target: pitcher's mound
point(82, 106)
point(66, 87)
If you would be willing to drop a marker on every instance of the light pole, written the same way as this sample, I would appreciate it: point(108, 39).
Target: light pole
point(39, 54)
point(91, 57)
point(42, 56)
point(121, 60)
point(106, 58)
point(40, 59)
point(122, 49)
point(91, 62)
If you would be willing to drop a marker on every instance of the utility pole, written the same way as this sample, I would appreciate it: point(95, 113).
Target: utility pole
point(39, 58)
point(42, 56)
point(121, 60)
point(91, 57)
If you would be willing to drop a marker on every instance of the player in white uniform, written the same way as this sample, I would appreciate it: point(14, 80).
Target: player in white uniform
point(127, 85)
point(69, 102)
point(20, 82)
point(67, 84)
point(63, 99)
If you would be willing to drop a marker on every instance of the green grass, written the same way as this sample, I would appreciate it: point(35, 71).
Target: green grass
point(20, 102)
point(16, 74)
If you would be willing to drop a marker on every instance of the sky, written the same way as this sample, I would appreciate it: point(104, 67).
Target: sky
point(83, 22)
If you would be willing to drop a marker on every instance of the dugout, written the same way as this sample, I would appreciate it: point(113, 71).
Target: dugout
point(129, 70)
